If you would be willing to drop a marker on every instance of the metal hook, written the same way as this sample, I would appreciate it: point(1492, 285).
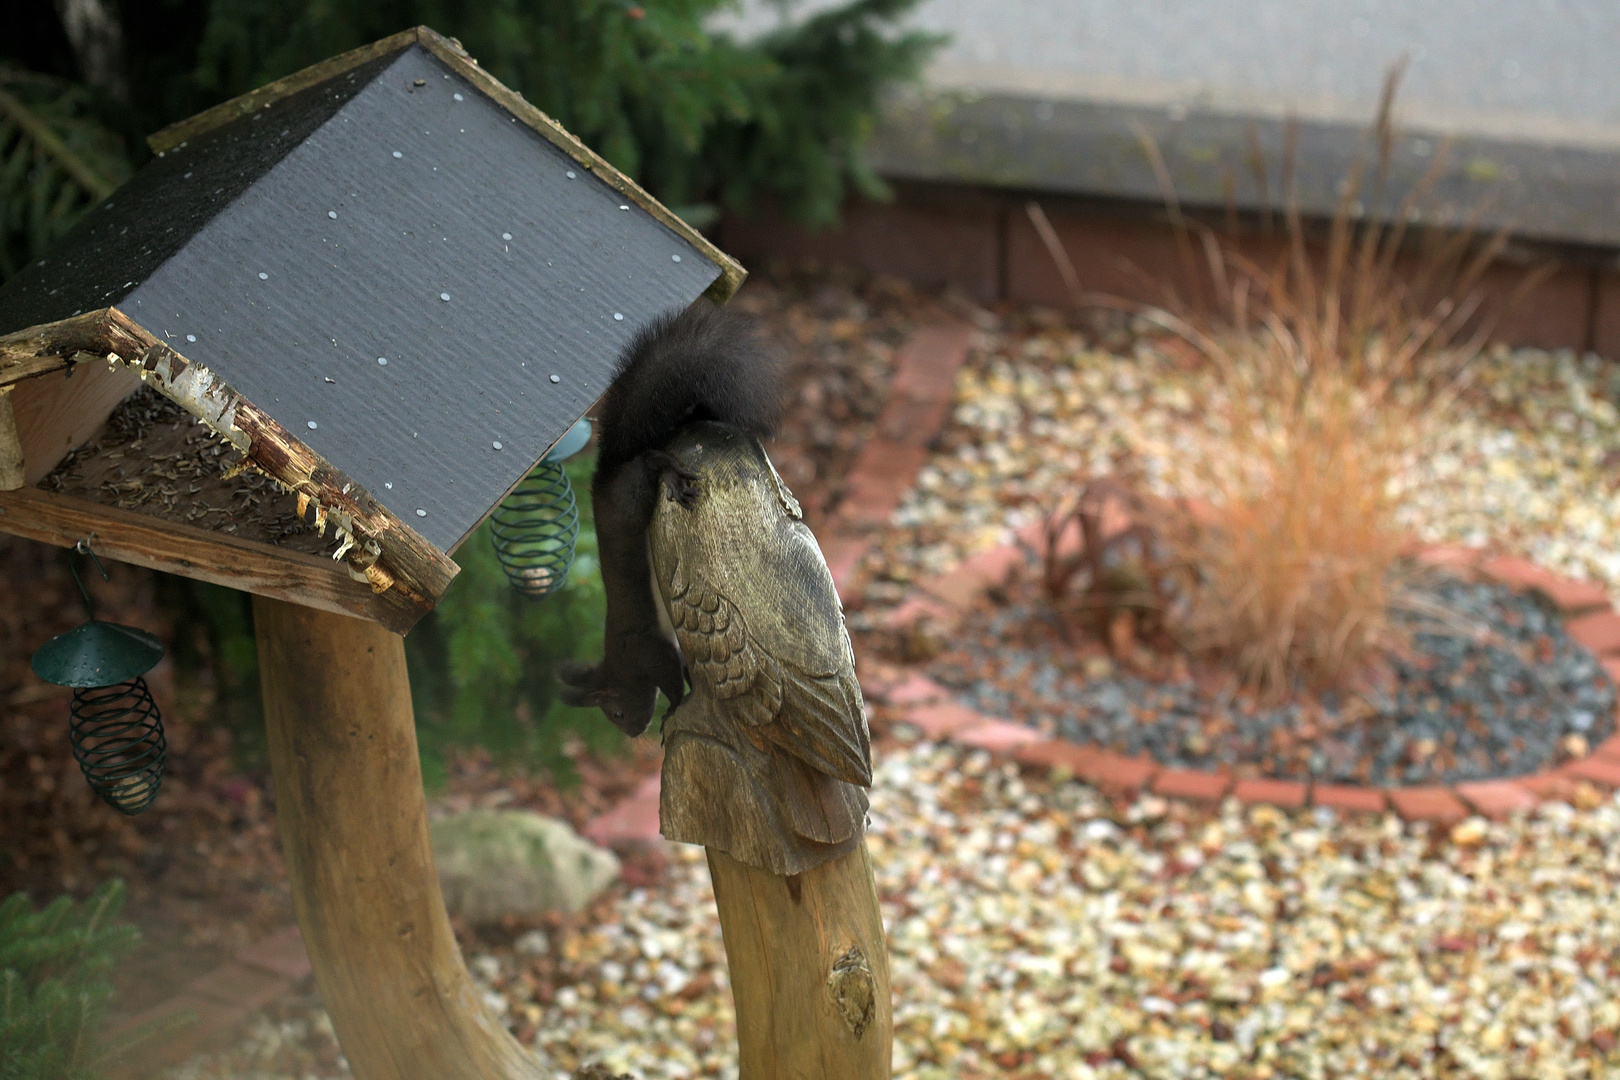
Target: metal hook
point(83, 548)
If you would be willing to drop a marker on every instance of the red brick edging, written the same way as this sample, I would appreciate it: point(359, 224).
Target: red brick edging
point(919, 404)
point(219, 1000)
point(924, 705)
point(1590, 619)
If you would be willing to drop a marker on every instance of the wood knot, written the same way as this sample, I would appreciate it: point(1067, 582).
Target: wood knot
point(854, 991)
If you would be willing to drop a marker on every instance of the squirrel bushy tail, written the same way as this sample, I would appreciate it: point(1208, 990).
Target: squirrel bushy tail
point(704, 363)
point(701, 364)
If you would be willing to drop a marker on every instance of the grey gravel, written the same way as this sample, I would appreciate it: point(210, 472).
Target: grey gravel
point(1498, 690)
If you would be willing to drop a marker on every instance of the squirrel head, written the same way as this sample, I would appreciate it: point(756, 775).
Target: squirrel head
point(629, 709)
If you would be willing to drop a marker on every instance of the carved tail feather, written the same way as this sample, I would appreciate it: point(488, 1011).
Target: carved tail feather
point(841, 750)
point(755, 803)
point(820, 807)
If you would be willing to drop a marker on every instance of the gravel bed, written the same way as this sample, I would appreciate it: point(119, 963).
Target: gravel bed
point(1524, 459)
point(1038, 933)
point(1501, 691)
point(839, 333)
point(1042, 936)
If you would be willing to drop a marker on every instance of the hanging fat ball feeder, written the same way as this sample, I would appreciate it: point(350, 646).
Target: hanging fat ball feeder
point(535, 528)
point(115, 726)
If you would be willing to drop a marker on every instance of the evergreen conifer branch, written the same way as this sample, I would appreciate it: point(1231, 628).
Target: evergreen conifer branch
point(49, 144)
point(55, 982)
point(57, 159)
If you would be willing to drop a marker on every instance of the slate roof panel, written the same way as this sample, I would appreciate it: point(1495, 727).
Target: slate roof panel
point(294, 281)
point(150, 218)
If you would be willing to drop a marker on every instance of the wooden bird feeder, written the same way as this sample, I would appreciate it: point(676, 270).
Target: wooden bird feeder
point(385, 285)
point(304, 353)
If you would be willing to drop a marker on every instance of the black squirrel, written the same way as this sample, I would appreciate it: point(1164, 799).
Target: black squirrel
point(701, 364)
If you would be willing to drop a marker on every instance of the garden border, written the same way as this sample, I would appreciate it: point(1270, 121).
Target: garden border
point(916, 413)
point(884, 473)
point(1590, 619)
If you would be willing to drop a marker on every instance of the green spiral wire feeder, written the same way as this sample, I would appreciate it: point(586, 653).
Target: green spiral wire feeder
point(535, 528)
point(115, 727)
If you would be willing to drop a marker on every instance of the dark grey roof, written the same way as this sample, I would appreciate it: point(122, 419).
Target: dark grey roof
point(366, 219)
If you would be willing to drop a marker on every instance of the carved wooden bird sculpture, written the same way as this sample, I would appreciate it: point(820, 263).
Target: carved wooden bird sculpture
point(767, 757)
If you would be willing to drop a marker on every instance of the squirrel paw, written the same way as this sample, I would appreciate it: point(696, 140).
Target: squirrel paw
point(682, 488)
point(680, 485)
point(626, 682)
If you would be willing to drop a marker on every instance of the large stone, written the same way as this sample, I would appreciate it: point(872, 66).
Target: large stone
point(494, 863)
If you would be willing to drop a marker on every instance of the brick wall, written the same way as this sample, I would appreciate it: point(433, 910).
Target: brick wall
point(982, 242)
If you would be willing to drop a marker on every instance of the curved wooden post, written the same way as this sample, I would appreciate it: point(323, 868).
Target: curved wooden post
point(809, 969)
point(342, 735)
point(767, 760)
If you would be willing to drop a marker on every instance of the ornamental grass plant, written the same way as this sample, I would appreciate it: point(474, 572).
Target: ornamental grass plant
point(1326, 364)
point(1293, 567)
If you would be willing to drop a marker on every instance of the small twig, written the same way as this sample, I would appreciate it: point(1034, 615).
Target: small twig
point(1055, 249)
point(1167, 191)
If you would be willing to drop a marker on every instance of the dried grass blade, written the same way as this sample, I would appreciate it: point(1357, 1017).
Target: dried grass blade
point(1167, 191)
point(1055, 250)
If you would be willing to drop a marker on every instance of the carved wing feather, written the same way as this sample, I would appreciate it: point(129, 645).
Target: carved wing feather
point(756, 614)
point(815, 716)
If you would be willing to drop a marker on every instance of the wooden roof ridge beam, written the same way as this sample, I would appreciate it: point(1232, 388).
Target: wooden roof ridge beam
point(166, 139)
point(377, 546)
point(450, 52)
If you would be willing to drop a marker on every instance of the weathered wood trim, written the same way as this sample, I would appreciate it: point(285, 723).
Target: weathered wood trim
point(254, 100)
point(451, 53)
point(188, 551)
point(11, 451)
point(390, 554)
point(39, 350)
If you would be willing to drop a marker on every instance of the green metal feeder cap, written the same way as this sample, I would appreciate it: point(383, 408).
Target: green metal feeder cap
point(97, 654)
point(571, 443)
